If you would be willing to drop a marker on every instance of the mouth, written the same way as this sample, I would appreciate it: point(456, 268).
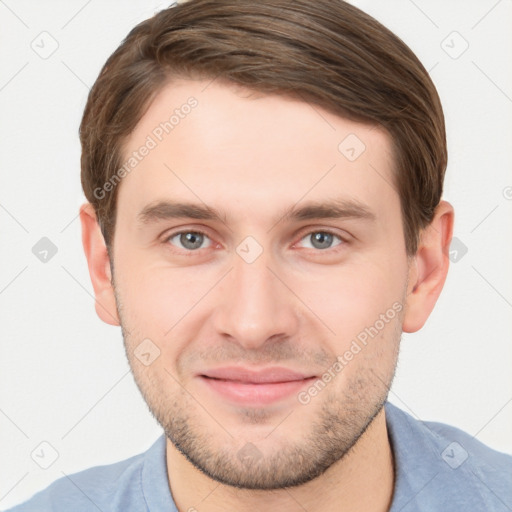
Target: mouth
point(249, 387)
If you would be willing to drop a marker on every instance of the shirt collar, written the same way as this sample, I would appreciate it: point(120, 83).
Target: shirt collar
point(155, 481)
point(423, 480)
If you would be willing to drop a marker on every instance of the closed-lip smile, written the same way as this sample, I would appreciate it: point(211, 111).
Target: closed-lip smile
point(254, 387)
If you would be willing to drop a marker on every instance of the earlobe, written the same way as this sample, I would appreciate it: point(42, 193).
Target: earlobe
point(98, 262)
point(428, 268)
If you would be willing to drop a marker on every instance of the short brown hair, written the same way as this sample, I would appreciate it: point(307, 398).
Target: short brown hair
point(326, 52)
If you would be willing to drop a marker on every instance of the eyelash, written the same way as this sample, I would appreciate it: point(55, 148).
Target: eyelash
point(309, 233)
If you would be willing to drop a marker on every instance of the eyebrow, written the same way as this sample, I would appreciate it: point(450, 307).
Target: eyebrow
point(328, 209)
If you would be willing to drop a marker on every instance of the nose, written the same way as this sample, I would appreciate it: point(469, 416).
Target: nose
point(254, 304)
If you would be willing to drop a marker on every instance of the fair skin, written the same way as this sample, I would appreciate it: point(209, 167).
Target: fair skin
point(237, 444)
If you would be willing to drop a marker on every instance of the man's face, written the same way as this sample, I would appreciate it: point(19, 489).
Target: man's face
point(277, 336)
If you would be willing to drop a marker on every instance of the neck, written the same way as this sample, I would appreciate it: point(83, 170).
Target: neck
point(362, 480)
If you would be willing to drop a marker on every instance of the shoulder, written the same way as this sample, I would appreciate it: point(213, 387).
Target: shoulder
point(452, 466)
point(96, 488)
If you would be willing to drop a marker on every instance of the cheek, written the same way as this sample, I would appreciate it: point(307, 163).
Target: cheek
point(356, 298)
point(156, 295)
point(163, 304)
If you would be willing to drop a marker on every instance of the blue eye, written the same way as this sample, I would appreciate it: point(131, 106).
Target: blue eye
point(190, 240)
point(194, 240)
point(322, 239)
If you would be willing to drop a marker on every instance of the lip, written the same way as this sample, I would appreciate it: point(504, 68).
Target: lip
point(254, 387)
point(268, 375)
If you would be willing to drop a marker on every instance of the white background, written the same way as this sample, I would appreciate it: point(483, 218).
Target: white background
point(64, 378)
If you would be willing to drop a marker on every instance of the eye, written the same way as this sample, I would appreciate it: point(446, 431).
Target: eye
point(195, 240)
point(189, 240)
point(322, 239)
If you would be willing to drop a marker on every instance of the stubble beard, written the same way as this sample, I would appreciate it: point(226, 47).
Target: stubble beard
point(342, 419)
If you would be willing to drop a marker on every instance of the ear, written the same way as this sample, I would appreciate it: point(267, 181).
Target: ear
point(98, 262)
point(428, 268)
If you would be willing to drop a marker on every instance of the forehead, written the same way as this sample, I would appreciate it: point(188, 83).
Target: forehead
point(231, 148)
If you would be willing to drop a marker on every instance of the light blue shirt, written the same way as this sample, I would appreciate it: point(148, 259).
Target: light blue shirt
point(437, 468)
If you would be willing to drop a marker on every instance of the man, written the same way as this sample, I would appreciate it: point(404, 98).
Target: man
point(264, 221)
